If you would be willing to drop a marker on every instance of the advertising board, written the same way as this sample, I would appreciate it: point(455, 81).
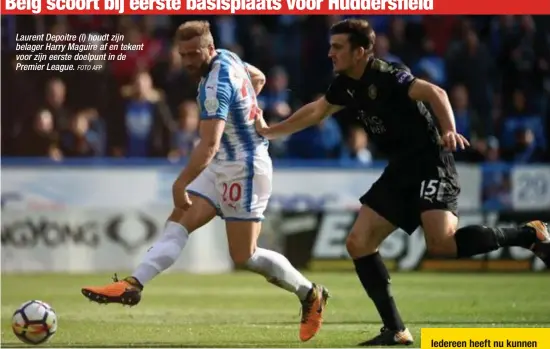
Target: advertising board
point(317, 240)
point(138, 187)
point(91, 240)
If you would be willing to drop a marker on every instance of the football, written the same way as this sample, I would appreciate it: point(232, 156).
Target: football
point(34, 322)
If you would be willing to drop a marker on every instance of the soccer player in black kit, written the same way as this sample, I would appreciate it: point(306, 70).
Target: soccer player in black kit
point(419, 186)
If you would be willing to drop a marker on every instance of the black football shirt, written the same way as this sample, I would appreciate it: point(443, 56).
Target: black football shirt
point(396, 124)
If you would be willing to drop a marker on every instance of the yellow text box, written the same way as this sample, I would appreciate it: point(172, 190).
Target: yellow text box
point(485, 338)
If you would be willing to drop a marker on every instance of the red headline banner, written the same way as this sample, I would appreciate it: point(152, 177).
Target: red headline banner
point(267, 7)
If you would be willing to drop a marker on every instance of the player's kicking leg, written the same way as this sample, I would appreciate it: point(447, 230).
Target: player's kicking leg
point(242, 236)
point(367, 234)
point(443, 239)
point(166, 249)
point(158, 258)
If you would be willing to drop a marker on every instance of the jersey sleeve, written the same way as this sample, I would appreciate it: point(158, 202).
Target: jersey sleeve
point(399, 81)
point(337, 93)
point(215, 94)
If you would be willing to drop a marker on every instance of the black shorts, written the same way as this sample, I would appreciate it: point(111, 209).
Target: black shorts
point(410, 187)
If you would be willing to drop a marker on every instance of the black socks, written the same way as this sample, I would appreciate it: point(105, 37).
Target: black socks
point(375, 279)
point(477, 239)
point(470, 241)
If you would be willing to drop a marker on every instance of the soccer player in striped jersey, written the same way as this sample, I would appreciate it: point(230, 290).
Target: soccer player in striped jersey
point(229, 174)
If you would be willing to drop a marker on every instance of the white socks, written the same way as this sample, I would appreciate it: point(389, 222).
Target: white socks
point(278, 270)
point(163, 253)
point(275, 267)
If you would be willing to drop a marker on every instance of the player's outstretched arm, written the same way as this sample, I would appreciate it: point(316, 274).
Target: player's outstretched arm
point(258, 78)
point(425, 91)
point(308, 115)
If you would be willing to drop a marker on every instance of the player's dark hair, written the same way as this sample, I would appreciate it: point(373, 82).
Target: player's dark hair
point(360, 32)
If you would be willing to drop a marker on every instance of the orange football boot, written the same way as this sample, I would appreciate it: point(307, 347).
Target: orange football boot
point(125, 292)
point(312, 312)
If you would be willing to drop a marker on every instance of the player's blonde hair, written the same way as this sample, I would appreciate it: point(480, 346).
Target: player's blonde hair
point(192, 29)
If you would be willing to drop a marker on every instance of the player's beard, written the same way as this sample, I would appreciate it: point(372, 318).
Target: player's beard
point(197, 73)
point(204, 68)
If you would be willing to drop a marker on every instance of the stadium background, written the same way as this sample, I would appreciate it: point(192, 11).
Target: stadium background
point(88, 159)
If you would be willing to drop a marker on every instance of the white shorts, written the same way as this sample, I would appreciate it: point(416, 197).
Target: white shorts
point(239, 190)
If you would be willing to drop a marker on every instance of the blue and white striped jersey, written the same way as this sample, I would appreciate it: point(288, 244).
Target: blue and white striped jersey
point(226, 92)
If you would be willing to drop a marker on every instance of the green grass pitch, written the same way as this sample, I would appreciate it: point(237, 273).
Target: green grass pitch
point(242, 310)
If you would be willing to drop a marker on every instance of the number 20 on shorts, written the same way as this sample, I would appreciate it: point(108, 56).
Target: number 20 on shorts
point(232, 192)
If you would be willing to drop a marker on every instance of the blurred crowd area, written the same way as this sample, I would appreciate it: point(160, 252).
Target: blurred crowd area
point(495, 69)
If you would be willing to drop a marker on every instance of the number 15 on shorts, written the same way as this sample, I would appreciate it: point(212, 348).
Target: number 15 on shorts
point(430, 188)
